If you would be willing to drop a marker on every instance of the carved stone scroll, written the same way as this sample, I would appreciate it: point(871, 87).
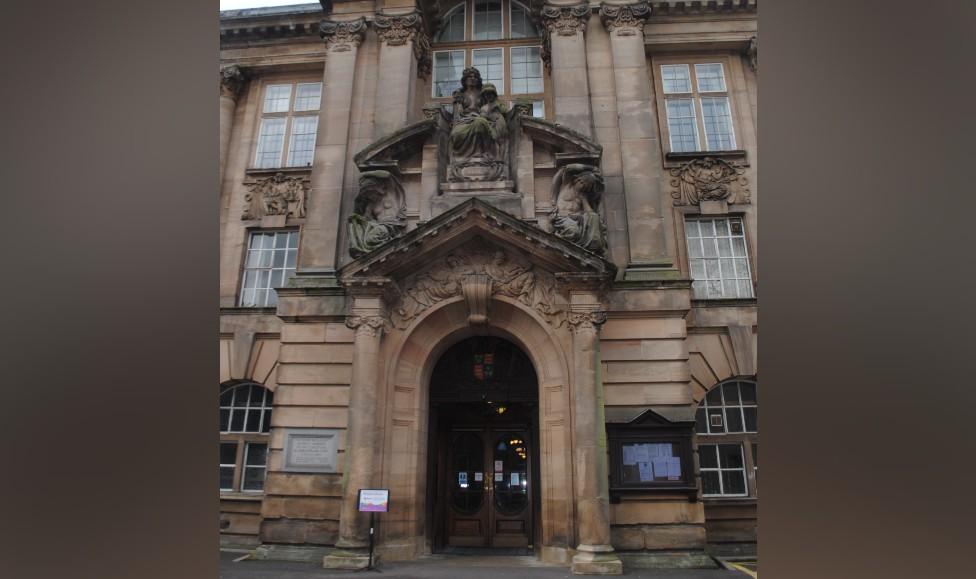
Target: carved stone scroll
point(626, 19)
point(708, 179)
point(276, 195)
point(508, 275)
point(344, 35)
point(476, 288)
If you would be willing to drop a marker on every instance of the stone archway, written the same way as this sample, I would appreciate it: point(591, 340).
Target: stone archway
point(410, 357)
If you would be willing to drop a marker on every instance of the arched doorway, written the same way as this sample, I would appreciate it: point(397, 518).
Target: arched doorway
point(483, 448)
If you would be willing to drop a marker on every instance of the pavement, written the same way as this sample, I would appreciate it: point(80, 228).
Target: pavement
point(445, 567)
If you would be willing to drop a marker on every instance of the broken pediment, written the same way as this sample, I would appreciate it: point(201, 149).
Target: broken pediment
point(477, 251)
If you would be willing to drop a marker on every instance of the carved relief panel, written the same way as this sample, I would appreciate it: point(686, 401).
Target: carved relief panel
point(278, 194)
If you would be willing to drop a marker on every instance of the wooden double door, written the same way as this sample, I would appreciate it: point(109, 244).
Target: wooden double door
point(488, 482)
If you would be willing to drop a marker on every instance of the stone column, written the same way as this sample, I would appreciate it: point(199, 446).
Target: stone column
point(232, 81)
point(564, 51)
point(368, 320)
point(640, 142)
point(595, 555)
point(404, 53)
point(321, 231)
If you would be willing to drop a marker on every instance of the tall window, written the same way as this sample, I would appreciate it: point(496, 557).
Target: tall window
point(270, 261)
point(289, 115)
point(245, 421)
point(478, 33)
point(696, 104)
point(717, 258)
point(728, 440)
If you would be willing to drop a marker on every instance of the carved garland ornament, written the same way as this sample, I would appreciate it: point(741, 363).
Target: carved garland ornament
point(367, 325)
point(343, 36)
point(232, 81)
point(708, 179)
point(477, 275)
point(564, 21)
point(627, 19)
point(275, 195)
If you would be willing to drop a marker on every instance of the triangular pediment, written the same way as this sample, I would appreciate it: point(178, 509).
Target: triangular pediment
point(475, 223)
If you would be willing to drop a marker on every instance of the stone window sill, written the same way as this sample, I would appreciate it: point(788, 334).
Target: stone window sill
point(676, 159)
point(731, 302)
point(238, 496)
point(744, 501)
point(249, 311)
point(255, 172)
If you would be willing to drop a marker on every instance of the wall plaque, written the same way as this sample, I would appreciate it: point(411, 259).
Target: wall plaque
point(310, 450)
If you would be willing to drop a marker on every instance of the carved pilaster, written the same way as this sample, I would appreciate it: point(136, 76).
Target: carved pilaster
point(232, 81)
point(564, 21)
point(370, 326)
point(343, 36)
point(586, 321)
point(752, 52)
point(626, 19)
point(399, 29)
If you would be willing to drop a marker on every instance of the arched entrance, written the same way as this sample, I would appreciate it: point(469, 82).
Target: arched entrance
point(483, 488)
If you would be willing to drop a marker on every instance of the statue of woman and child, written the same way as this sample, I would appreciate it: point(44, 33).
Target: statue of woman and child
point(479, 131)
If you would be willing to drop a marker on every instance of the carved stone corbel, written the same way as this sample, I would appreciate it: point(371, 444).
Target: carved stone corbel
point(232, 81)
point(476, 289)
point(564, 21)
point(752, 53)
point(626, 19)
point(343, 35)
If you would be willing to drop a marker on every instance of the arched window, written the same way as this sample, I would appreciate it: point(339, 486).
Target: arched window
point(452, 30)
point(245, 421)
point(727, 428)
point(506, 50)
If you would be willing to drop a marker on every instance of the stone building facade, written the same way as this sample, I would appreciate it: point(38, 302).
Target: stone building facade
point(498, 258)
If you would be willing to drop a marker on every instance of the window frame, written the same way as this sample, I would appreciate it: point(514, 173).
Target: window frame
point(731, 86)
point(242, 271)
point(289, 116)
point(685, 255)
point(746, 441)
point(243, 440)
point(507, 43)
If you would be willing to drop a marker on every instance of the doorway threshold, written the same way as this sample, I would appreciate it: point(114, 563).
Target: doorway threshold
point(488, 551)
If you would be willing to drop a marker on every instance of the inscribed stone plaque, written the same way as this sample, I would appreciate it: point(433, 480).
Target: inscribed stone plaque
point(310, 450)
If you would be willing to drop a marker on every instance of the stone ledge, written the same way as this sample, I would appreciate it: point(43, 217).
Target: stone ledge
point(668, 560)
point(302, 553)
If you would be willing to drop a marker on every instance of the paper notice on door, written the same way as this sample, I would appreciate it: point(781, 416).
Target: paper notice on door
point(479, 476)
point(653, 451)
point(641, 453)
point(645, 471)
point(515, 479)
point(463, 479)
point(674, 468)
point(499, 466)
point(660, 467)
point(629, 459)
point(499, 477)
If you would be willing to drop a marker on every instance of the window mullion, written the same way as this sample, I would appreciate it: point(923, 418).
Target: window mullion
point(239, 464)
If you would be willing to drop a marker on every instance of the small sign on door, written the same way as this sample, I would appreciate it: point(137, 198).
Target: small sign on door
point(499, 465)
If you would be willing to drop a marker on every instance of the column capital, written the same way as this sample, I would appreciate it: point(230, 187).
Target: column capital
point(343, 35)
point(586, 321)
point(399, 29)
point(370, 326)
point(232, 81)
point(627, 18)
point(563, 21)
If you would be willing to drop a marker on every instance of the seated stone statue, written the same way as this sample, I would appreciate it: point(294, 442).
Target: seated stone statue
point(479, 131)
point(577, 190)
point(379, 214)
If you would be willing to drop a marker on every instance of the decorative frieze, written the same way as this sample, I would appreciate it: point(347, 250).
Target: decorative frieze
point(276, 195)
point(344, 35)
point(564, 21)
point(708, 179)
point(370, 326)
point(474, 273)
point(626, 19)
point(232, 81)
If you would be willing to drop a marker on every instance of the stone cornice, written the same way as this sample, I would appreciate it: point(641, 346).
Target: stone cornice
point(343, 35)
point(627, 19)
